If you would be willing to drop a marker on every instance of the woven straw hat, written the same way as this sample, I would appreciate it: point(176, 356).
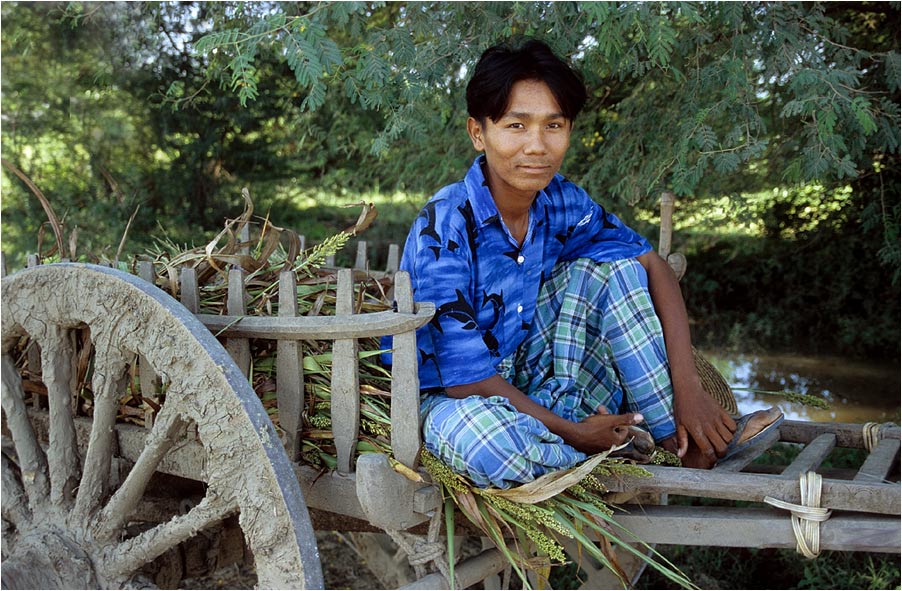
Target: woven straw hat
point(715, 384)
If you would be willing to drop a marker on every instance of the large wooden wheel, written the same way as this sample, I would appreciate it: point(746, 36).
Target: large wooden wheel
point(68, 513)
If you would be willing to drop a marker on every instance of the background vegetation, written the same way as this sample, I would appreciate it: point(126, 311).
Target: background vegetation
point(776, 124)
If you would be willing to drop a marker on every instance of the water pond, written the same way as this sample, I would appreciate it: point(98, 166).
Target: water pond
point(856, 392)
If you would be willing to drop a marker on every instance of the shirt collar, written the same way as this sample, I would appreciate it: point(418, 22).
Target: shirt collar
point(479, 196)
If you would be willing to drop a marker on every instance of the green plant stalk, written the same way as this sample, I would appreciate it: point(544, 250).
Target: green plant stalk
point(449, 536)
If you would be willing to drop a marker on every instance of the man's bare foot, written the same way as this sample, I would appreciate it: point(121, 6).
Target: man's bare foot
point(694, 458)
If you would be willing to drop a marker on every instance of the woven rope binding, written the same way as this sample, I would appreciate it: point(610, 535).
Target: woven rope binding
point(806, 518)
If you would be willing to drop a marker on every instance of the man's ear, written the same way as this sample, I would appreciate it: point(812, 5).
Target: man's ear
point(475, 130)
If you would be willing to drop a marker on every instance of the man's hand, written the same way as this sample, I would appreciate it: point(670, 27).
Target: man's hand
point(703, 426)
point(599, 432)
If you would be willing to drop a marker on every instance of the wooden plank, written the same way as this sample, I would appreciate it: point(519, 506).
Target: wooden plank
point(290, 371)
point(405, 383)
point(756, 528)
point(372, 324)
point(811, 457)
point(345, 379)
point(879, 462)
point(847, 434)
point(835, 494)
point(239, 348)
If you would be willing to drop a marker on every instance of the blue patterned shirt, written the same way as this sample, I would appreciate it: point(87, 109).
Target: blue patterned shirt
point(461, 257)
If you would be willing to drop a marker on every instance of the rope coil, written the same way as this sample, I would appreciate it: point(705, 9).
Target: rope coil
point(421, 550)
point(870, 433)
point(807, 516)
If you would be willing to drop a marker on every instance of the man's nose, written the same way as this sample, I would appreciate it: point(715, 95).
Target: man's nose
point(536, 142)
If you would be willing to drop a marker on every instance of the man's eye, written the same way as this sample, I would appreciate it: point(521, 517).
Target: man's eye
point(555, 126)
point(515, 126)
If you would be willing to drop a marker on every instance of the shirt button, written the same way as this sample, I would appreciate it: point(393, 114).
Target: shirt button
point(520, 309)
point(520, 259)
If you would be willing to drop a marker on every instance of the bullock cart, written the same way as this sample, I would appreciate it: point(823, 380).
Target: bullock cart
point(91, 501)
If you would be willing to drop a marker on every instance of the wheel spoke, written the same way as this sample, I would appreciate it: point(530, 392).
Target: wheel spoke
point(56, 361)
point(15, 503)
point(110, 377)
point(124, 501)
point(32, 461)
point(123, 559)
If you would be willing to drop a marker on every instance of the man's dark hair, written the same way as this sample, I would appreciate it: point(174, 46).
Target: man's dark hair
point(502, 66)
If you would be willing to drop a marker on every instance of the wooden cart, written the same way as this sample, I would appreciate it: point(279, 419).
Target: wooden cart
point(90, 502)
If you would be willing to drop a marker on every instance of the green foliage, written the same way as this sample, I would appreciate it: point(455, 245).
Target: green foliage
point(801, 273)
point(174, 107)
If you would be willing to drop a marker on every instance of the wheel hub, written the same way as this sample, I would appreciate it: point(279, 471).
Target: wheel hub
point(48, 558)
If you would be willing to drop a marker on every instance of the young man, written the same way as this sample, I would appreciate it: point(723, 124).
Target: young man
point(557, 329)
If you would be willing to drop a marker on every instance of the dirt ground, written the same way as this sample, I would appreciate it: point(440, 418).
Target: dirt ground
point(342, 569)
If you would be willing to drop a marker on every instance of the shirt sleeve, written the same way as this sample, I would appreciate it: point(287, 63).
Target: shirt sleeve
point(441, 272)
point(598, 234)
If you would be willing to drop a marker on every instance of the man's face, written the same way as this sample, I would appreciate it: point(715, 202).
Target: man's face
point(525, 148)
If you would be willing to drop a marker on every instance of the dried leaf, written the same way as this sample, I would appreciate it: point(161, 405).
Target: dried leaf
point(405, 471)
point(367, 215)
point(546, 486)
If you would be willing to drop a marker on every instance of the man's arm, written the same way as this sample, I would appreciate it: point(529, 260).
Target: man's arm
point(595, 434)
point(697, 413)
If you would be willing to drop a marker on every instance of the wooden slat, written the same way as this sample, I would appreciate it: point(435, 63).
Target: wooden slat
point(188, 294)
point(405, 383)
point(373, 324)
point(836, 494)
point(756, 528)
point(811, 457)
point(361, 262)
point(345, 379)
point(147, 377)
point(290, 371)
point(847, 434)
point(236, 305)
point(393, 262)
point(879, 462)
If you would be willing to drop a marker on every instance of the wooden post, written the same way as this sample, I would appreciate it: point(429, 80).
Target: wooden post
point(188, 294)
point(290, 371)
point(394, 258)
point(405, 383)
point(667, 201)
point(345, 380)
point(361, 263)
point(236, 305)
